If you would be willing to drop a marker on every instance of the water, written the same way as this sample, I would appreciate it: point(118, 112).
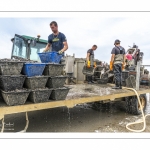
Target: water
point(69, 119)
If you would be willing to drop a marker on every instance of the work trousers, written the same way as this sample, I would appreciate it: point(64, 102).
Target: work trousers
point(89, 78)
point(117, 68)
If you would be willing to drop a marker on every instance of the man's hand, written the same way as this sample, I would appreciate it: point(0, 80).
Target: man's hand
point(44, 50)
point(60, 52)
point(88, 64)
point(123, 66)
point(111, 66)
point(47, 47)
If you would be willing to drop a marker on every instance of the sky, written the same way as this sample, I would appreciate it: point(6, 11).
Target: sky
point(82, 33)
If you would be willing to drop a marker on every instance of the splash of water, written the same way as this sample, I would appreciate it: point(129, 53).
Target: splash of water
point(69, 119)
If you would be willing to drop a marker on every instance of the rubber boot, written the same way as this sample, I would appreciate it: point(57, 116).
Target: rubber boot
point(120, 85)
point(117, 86)
point(92, 81)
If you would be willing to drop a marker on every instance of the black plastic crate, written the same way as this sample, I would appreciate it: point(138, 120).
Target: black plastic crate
point(40, 95)
point(123, 83)
point(1, 97)
point(125, 75)
point(131, 81)
point(56, 82)
point(10, 67)
point(10, 83)
point(59, 93)
point(102, 81)
point(88, 71)
point(53, 70)
point(133, 73)
point(35, 82)
point(17, 97)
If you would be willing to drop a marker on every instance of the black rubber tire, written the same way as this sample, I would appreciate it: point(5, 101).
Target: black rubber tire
point(132, 104)
point(99, 106)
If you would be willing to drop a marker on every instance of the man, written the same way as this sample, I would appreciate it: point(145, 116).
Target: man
point(89, 58)
point(129, 56)
point(56, 40)
point(117, 63)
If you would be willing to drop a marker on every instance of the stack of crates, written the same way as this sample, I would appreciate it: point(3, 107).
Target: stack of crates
point(11, 82)
point(54, 70)
point(36, 82)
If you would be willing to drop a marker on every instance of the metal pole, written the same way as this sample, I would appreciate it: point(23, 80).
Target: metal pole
point(138, 75)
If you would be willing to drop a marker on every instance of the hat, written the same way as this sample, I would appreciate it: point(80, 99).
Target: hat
point(135, 46)
point(117, 41)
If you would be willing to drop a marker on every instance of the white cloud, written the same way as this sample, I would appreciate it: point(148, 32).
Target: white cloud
point(82, 33)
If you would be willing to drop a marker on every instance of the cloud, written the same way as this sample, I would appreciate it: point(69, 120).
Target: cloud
point(82, 33)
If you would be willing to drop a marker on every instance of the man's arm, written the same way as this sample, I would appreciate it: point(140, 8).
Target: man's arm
point(88, 57)
point(112, 57)
point(65, 46)
point(47, 47)
point(48, 44)
point(124, 60)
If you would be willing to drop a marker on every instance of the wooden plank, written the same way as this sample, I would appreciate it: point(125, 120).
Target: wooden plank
point(138, 75)
point(68, 103)
point(145, 65)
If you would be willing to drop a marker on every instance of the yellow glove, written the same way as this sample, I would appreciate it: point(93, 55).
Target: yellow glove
point(123, 66)
point(111, 66)
point(88, 64)
point(60, 52)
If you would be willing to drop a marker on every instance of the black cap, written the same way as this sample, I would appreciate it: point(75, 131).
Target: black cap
point(117, 41)
point(135, 46)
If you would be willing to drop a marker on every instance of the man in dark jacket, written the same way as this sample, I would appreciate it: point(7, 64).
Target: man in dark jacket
point(117, 63)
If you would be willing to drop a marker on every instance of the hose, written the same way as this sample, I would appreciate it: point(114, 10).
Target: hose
point(143, 116)
point(27, 124)
point(2, 130)
point(26, 127)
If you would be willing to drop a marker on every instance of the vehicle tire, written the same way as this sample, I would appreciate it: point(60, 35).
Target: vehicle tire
point(132, 105)
point(99, 106)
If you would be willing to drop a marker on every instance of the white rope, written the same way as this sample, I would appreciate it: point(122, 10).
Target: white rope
point(27, 124)
point(143, 116)
point(2, 130)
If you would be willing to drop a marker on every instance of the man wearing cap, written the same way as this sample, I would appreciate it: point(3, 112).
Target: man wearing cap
point(117, 63)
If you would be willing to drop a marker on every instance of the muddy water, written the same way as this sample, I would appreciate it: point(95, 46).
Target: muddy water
point(82, 118)
point(86, 90)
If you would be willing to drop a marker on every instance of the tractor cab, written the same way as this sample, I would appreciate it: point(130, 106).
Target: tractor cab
point(27, 48)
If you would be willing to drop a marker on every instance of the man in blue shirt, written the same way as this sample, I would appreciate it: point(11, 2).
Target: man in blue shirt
point(56, 40)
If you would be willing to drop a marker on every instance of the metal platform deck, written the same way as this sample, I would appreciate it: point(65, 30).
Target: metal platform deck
point(79, 94)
